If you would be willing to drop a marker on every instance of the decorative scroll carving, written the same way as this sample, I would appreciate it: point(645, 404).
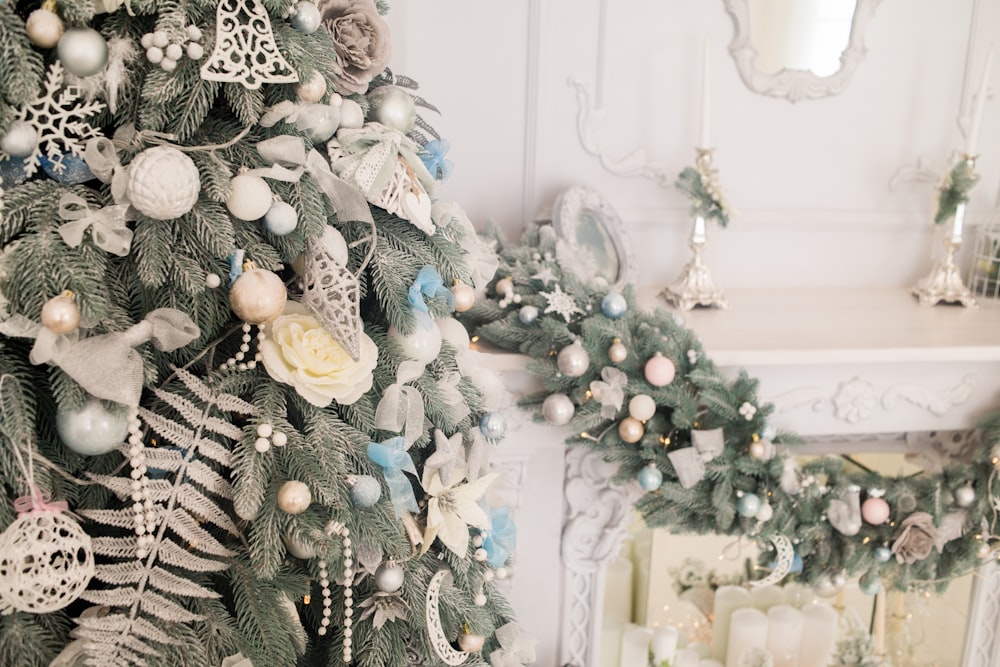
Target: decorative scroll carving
point(598, 513)
point(935, 402)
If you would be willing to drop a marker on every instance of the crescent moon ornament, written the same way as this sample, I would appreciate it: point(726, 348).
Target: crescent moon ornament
point(783, 564)
point(441, 645)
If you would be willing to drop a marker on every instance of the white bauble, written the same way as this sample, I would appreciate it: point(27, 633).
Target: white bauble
point(91, 430)
point(393, 107)
point(60, 314)
point(573, 360)
point(46, 562)
point(294, 497)
point(351, 115)
point(258, 296)
point(319, 121)
point(965, 496)
point(20, 141)
point(470, 642)
point(250, 197)
point(281, 219)
point(642, 407)
point(311, 90)
point(422, 345)
point(44, 28)
point(82, 51)
point(163, 183)
point(299, 548)
point(558, 409)
point(389, 577)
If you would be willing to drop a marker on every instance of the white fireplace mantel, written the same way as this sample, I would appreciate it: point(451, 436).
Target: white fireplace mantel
point(847, 369)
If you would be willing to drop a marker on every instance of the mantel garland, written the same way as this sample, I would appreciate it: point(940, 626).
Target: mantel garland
point(638, 387)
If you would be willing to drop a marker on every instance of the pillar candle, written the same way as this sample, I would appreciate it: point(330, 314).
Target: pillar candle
point(703, 140)
point(747, 630)
point(977, 110)
point(819, 635)
point(635, 646)
point(765, 597)
point(664, 644)
point(727, 600)
point(686, 658)
point(784, 635)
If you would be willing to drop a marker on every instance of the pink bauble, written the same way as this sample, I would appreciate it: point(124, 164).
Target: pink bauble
point(659, 371)
point(875, 511)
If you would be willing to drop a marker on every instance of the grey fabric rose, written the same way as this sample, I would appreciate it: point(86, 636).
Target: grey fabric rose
point(916, 538)
point(361, 39)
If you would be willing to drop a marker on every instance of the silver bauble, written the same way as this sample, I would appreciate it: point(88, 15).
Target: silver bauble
point(305, 17)
point(965, 496)
point(824, 587)
point(393, 107)
point(558, 409)
point(389, 577)
point(20, 141)
point(365, 490)
point(91, 430)
point(82, 51)
point(573, 360)
point(300, 548)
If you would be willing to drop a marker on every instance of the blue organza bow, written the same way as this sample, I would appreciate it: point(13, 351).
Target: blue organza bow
point(433, 158)
point(429, 283)
point(501, 538)
point(395, 460)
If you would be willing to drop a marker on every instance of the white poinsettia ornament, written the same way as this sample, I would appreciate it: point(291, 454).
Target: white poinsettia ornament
point(453, 508)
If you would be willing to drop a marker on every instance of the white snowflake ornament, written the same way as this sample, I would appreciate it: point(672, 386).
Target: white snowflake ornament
point(59, 117)
point(561, 303)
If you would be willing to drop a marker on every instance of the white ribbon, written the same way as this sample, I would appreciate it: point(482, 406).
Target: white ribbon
point(289, 160)
point(610, 391)
point(709, 443)
point(106, 366)
point(101, 157)
point(516, 648)
point(689, 463)
point(107, 225)
point(401, 410)
point(452, 396)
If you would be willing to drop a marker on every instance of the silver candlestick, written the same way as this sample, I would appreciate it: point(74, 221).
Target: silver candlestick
point(944, 283)
point(694, 286)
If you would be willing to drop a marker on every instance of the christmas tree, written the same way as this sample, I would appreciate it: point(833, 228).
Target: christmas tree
point(238, 424)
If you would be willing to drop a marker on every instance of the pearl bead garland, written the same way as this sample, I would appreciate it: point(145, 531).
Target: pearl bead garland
point(337, 528)
point(237, 360)
point(144, 518)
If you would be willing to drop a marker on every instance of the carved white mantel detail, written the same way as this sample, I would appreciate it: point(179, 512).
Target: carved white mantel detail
point(935, 402)
point(595, 524)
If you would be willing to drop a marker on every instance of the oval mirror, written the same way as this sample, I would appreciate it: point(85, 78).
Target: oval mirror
point(798, 49)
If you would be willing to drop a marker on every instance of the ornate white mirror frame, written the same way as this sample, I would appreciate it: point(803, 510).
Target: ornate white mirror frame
point(793, 84)
point(596, 522)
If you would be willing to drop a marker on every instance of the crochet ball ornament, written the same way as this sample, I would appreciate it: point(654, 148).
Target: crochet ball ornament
point(163, 183)
point(659, 371)
point(46, 562)
point(250, 197)
point(258, 296)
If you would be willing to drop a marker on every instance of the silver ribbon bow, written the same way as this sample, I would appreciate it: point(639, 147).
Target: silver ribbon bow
point(101, 156)
point(610, 391)
point(107, 225)
point(689, 463)
point(106, 366)
point(289, 160)
point(516, 648)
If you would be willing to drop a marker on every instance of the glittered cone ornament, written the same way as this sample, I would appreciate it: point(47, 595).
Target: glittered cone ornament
point(333, 296)
point(46, 560)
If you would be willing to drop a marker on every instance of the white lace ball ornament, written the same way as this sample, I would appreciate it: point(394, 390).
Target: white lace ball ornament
point(250, 197)
point(82, 51)
point(44, 28)
point(258, 296)
point(46, 562)
point(163, 183)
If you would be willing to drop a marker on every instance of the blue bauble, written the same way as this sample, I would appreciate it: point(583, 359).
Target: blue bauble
point(74, 169)
point(796, 564)
point(281, 218)
point(748, 505)
point(870, 583)
point(93, 429)
point(527, 314)
point(883, 554)
point(12, 173)
point(365, 491)
point(650, 478)
point(305, 17)
point(493, 425)
point(614, 305)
